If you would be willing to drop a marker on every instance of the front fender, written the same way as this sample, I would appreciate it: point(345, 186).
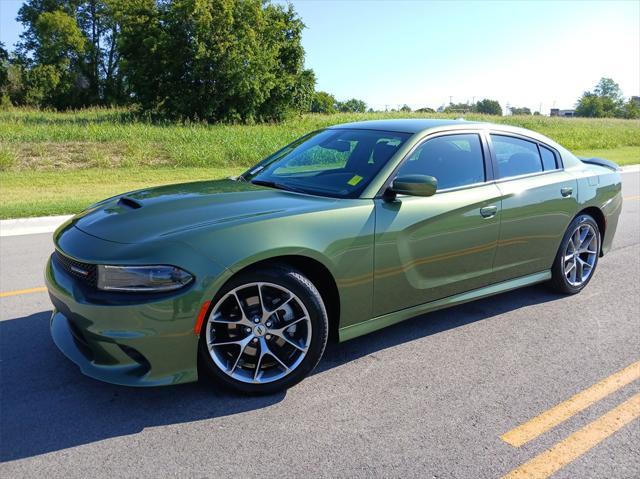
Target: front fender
point(340, 238)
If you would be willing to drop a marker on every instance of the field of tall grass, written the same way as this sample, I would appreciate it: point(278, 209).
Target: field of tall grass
point(54, 163)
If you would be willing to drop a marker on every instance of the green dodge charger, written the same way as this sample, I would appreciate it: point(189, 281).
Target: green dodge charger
point(345, 231)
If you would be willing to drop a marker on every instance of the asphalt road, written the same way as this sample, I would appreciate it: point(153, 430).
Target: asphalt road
point(426, 398)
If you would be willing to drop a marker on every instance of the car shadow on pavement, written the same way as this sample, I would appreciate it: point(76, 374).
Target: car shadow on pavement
point(434, 323)
point(48, 405)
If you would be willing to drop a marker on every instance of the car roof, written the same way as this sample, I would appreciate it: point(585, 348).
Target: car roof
point(418, 125)
point(404, 125)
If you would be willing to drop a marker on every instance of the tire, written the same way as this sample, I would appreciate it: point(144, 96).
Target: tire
point(562, 269)
point(256, 339)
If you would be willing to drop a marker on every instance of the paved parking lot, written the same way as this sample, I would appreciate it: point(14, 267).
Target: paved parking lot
point(476, 391)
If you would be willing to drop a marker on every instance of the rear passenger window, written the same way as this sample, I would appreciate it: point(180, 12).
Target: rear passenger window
point(549, 161)
point(454, 160)
point(515, 156)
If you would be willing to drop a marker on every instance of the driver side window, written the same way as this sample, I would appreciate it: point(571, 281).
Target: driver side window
point(454, 160)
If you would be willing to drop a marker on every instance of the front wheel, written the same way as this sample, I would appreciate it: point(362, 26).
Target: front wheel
point(266, 331)
point(577, 256)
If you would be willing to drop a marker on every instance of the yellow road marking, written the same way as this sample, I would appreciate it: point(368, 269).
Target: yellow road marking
point(636, 197)
point(563, 411)
point(569, 449)
point(22, 291)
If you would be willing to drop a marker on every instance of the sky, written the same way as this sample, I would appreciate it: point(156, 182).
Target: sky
point(539, 54)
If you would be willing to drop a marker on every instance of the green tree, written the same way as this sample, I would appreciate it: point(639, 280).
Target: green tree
point(231, 60)
point(488, 107)
point(234, 60)
point(405, 108)
point(520, 111)
point(425, 109)
point(590, 105)
point(4, 76)
point(11, 81)
point(632, 108)
point(56, 44)
point(97, 20)
point(294, 85)
point(79, 40)
point(605, 100)
point(607, 88)
point(4, 65)
point(323, 102)
point(140, 40)
point(352, 106)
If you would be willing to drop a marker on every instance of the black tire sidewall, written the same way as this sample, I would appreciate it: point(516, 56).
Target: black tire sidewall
point(559, 280)
point(309, 295)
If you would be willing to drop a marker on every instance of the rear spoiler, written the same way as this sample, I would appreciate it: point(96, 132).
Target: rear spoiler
point(601, 162)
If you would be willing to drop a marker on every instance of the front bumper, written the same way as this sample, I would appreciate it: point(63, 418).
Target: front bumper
point(116, 367)
point(149, 343)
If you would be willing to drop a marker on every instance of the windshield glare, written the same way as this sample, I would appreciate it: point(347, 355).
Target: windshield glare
point(332, 162)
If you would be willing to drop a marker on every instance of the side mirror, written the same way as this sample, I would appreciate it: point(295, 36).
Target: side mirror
point(414, 185)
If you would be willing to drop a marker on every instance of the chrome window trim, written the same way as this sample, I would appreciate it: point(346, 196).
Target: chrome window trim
point(527, 175)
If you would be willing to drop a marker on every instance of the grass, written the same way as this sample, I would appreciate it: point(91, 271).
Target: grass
point(55, 163)
point(623, 155)
point(43, 193)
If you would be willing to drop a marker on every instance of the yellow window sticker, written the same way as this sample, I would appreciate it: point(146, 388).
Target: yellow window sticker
point(355, 180)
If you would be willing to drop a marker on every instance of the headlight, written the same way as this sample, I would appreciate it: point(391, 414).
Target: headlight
point(142, 279)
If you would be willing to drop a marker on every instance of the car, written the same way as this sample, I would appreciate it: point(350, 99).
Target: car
point(345, 231)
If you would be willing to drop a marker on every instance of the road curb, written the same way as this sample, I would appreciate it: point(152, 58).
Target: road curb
point(31, 226)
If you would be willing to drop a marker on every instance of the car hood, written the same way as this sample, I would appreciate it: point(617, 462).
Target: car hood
point(155, 213)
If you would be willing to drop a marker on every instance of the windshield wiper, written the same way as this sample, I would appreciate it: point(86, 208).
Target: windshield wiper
point(275, 184)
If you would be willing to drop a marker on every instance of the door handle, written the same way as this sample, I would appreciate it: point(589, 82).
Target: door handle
point(488, 211)
point(566, 191)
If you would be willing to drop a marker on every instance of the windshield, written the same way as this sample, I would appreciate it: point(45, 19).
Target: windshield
point(333, 162)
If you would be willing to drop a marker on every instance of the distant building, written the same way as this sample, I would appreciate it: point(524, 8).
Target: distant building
point(559, 112)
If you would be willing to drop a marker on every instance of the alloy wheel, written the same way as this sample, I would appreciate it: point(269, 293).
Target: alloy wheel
point(580, 255)
point(258, 332)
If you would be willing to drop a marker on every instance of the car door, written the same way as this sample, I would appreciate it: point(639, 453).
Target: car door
point(538, 202)
point(427, 248)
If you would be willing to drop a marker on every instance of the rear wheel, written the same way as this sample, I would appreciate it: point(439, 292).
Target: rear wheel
point(266, 331)
point(577, 256)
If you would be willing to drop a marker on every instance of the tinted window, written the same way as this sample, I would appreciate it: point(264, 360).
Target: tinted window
point(454, 160)
point(549, 161)
point(515, 156)
point(334, 162)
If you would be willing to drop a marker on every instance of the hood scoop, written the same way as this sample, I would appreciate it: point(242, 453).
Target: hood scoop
point(129, 203)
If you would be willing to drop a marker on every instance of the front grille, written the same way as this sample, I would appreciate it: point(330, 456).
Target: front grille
point(85, 272)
